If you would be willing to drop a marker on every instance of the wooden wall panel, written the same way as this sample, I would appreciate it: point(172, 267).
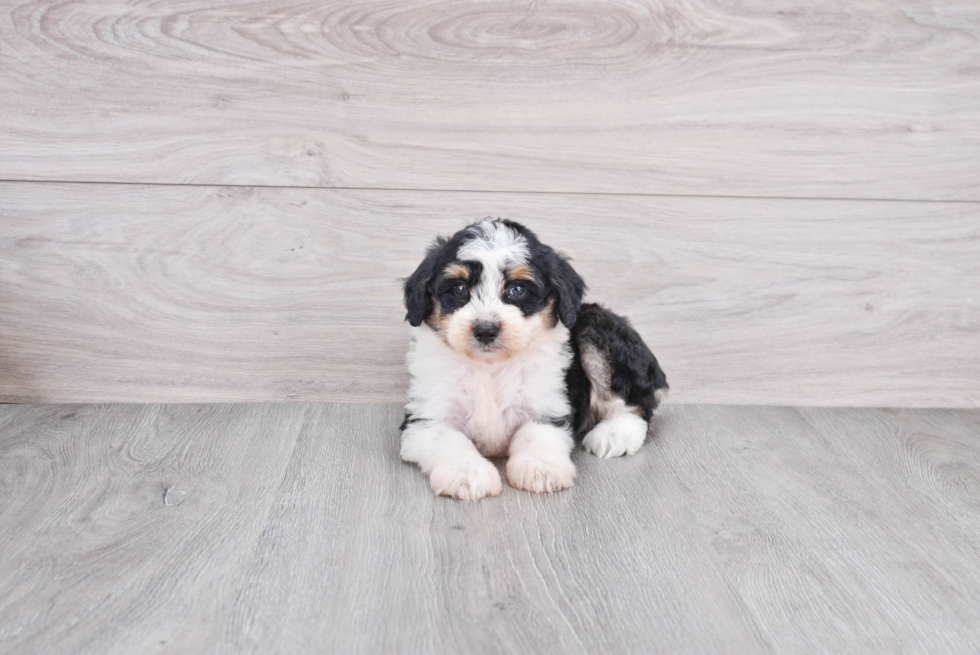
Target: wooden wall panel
point(794, 98)
point(157, 293)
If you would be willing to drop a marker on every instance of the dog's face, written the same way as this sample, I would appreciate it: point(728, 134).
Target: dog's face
point(493, 290)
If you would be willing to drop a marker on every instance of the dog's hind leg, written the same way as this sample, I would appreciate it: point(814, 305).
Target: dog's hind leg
point(623, 379)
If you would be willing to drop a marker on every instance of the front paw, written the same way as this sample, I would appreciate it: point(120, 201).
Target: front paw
point(471, 479)
point(622, 435)
point(532, 473)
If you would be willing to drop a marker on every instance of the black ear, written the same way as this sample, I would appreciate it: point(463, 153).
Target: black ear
point(418, 297)
point(567, 284)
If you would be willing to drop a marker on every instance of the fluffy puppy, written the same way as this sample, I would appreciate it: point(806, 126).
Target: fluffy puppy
point(505, 360)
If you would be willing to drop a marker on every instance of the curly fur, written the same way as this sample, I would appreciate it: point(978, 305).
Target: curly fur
point(505, 360)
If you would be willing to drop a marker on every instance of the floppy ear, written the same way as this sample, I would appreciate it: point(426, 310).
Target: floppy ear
point(567, 284)
point(418, 298)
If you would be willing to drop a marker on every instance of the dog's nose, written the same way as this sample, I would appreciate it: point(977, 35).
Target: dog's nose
point(486, 332)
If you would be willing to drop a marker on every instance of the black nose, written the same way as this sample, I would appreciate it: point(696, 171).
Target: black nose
point(486, 332)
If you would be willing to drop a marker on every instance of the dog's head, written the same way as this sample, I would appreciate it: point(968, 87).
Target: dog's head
point(492, 290)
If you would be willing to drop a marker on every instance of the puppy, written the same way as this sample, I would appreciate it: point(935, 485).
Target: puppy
point(506, 361)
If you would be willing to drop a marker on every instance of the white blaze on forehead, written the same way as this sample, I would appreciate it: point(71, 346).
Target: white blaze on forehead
point(496, 247)
point(494, 244)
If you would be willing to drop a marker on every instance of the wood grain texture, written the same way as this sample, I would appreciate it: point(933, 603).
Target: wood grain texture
point(120, 526)
point(141, 293)
point(847, 524)
point(295, 529)
point(831, 98)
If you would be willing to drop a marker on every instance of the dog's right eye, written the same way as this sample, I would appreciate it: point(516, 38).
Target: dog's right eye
point(459, 289)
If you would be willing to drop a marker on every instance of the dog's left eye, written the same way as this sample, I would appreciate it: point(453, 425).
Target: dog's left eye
point(516, 291)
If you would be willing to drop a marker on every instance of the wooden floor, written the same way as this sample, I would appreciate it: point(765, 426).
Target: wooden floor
point(294, 528)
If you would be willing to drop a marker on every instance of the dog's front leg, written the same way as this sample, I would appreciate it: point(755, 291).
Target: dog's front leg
point(453, 464)
point(540, 458)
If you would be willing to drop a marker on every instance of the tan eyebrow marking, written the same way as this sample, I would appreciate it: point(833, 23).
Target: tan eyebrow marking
point(521, 272)
point(457, 270)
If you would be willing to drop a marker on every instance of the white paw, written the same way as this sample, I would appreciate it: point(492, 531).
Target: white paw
point(525, 471)
point(622, 435)
point(469, 479)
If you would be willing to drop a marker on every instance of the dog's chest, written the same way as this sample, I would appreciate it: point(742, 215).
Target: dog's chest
point(488, 402)
point(494, 404)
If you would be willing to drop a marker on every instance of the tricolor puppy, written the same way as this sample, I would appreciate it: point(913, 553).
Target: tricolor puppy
point(506, 361)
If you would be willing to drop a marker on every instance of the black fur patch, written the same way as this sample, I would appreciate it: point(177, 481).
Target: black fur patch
point(420, 285)
point(534, 299)
point(558, 281)
point(409, 419)
point(635, 373)
point(444, 288)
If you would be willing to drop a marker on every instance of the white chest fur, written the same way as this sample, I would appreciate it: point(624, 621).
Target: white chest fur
point(487, 402)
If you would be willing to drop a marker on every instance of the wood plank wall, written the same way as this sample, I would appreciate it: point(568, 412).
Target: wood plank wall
point(210, 201)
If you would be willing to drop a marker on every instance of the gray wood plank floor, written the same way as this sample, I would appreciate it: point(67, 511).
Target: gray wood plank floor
point(294, 528)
